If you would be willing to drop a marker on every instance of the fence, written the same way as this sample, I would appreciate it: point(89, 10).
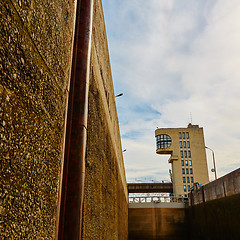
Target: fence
point(157, 199)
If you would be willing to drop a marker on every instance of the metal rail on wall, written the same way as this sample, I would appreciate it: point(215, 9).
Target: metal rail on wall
point(70, 208)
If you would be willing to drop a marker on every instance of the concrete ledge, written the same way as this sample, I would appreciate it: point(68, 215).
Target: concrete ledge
point(225, 186)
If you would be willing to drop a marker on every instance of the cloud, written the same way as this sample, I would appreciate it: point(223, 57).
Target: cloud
point(173, 58)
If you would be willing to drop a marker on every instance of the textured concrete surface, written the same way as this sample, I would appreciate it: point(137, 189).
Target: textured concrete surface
point(35, 63)
point(106, 197)
point(35, 54)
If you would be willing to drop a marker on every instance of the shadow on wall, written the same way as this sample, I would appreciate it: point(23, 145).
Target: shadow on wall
point(217, 219)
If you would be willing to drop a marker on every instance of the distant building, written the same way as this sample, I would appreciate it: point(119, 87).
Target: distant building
point(188, 156)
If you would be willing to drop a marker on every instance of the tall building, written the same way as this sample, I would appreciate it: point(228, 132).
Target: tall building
point(188, 156)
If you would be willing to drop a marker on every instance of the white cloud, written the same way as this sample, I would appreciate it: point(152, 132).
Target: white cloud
point(176, 57)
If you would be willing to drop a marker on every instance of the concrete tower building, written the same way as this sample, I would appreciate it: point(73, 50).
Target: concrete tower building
point(188, 156)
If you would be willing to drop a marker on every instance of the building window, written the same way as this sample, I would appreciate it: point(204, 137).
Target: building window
point(188, 144)
point(180, 135)
point(163, 141)
point(187, 135)
point(187, 172)
point(182, 163)
point(184, 180)
point(186, 162)
point(189, 153)
point(191, 171)
point(180, 144)
point(183, 171)
point(191, 179)
point(184, 187)
point(185, 154)
point(190, 162)
point(188, 188)
point(183, 135)
point(188, 180)
point(184, 144)
point(181, 154)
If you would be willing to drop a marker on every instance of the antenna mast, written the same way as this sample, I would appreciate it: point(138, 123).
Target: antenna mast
point(190, 117)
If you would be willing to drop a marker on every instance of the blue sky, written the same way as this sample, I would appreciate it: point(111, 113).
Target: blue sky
point(171, 58)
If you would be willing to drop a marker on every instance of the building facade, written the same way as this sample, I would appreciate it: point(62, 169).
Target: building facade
point(188, 156)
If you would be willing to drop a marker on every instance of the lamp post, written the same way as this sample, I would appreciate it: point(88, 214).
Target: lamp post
point(119, 95)
point(214, 164)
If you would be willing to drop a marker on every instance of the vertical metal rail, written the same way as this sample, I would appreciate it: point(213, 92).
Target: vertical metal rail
point(71, 207)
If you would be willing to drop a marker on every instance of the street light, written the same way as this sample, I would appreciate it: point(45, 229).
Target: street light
point(119, 95)
point(214, 165)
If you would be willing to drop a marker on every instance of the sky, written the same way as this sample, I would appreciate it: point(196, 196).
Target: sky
point(175, 62)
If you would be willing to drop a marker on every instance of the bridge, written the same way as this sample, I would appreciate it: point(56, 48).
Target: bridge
point(150, 187)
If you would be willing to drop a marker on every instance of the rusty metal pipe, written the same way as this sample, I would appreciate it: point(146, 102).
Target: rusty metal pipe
point(72, 192)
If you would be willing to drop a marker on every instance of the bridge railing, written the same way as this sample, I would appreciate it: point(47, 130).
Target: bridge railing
point(158, 199)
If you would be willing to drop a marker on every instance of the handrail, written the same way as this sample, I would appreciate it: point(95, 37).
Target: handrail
point(158, 199)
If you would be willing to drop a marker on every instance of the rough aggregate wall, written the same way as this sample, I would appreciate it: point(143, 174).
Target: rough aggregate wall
point(35, 60)
point(105, 202)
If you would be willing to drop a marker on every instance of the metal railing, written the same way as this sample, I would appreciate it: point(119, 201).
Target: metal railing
point(158, 199)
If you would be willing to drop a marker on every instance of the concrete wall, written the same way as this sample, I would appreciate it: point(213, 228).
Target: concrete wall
point(106, 197)
point(217, 219)
point(215, 210)
point(35, 62)
point(225, 186)
point(157, 221)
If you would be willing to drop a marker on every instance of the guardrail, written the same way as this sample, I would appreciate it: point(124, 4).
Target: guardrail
point(158, 199)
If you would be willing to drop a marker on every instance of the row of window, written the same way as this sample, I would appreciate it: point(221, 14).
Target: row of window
point(183, 144)
point(185, 188)
point(187, 171)
point(183, 135)
point(163, 137)
point(186, 153)
point(163, 145)
point(187, 179)
point(187, 163)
